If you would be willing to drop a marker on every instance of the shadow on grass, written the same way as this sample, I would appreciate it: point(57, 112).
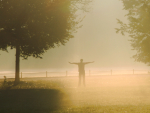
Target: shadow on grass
point(32, 100)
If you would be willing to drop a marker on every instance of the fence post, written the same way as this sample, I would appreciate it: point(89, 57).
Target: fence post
point(89, 72)
point(46, 73)
point(66, 73)
point(111, 72)
point(133, 71)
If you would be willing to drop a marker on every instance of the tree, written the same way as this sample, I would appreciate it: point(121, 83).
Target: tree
point(34, 26)
point(138, 28)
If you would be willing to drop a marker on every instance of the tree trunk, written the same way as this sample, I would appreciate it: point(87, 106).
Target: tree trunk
point(17, 78)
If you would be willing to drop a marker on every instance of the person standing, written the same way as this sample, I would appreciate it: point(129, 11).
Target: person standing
point(81, 70)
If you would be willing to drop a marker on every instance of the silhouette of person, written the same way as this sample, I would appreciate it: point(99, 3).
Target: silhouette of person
point(81, 70)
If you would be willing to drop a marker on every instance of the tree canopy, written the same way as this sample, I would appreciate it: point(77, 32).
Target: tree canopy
point(34, 26)
point(138, 28)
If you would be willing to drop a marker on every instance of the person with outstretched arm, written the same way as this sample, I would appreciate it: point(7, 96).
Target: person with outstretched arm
point(81, 70)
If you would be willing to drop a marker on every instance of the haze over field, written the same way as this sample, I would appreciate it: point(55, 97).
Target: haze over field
point(95, 41)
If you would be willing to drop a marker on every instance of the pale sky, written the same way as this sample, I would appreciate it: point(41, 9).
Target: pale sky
point(95, 41)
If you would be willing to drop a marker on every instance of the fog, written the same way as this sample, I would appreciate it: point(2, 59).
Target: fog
point(95, 41)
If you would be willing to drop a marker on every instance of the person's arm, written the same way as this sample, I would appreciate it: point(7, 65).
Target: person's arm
point(73, 63)
point(88, 62)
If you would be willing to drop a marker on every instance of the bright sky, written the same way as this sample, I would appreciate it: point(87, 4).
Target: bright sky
point(95, 41)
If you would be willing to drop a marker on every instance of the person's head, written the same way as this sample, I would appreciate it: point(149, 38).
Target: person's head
point(81, 60)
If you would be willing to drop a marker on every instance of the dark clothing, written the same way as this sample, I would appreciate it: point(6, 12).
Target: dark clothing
point(81, 70)
point(81, 67)
point(81, 76)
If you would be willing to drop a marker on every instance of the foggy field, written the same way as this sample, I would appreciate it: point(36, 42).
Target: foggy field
point(74, 72)
point(110, 94)
point(106, 89)
point(102, 94)
point(109, 90)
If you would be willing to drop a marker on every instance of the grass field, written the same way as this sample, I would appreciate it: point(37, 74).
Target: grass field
point(102, 94)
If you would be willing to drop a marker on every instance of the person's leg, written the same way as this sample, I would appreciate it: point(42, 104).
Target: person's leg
point(79, 80)
point(84, 78)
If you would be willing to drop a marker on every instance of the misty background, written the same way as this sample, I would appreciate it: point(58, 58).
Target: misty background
point(95, 41)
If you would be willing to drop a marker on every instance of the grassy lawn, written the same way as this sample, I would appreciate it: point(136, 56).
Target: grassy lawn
point(107, 109)
point(103, 94)
point(32, 97)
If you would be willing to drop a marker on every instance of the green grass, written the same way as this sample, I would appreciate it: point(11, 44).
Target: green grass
point(28, 84)
point(32, 97)
point(104, 94)
point(107, 109)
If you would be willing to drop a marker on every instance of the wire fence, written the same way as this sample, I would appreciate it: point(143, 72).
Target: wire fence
point(74, 73)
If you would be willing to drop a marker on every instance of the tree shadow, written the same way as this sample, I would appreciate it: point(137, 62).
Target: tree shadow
point(32, 100)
